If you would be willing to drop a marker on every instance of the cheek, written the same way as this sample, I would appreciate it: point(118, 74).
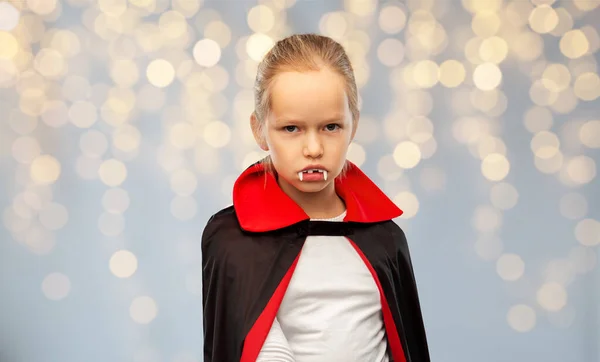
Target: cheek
point(280, 152)
point(274, 145)
point(341, 146)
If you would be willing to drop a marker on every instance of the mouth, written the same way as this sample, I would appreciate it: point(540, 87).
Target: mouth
point(313, 174)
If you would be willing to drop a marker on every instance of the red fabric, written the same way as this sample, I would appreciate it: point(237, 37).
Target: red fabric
point(388, 320)
point(261, 205)
point(258, 333)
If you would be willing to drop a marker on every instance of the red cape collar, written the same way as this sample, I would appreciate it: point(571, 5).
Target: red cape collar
point(261, 205)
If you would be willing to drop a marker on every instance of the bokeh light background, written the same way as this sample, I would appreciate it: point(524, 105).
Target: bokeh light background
point(124, 123)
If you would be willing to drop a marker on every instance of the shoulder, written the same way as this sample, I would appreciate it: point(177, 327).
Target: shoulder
point(395, 229)
point(390, 230)
point(222, 218)
point(223, 225)
point(398, 237)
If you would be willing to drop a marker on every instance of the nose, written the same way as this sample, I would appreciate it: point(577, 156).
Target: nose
point(313, 146)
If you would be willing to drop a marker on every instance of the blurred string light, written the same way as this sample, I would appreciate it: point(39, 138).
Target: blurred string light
point(555, 88)
point(143, 309)
point(151, 49)
point(56, 286)
point(522, 318)
point(123, 264)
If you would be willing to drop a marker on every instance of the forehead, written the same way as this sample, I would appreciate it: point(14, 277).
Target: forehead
point(311, 95)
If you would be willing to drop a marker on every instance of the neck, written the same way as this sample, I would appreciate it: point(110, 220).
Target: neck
point(323, 204)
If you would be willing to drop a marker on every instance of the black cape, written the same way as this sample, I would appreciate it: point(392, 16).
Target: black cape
point(250, 250)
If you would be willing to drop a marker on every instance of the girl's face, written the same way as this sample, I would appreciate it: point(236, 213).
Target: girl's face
point(309, 124)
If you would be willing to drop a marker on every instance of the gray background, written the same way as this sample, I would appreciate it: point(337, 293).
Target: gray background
point(108, 177)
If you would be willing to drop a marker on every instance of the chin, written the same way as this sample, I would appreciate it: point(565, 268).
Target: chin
point(311, 187)
point(304, 186)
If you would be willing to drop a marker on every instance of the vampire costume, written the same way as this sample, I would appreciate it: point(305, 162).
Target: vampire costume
point(250, 251)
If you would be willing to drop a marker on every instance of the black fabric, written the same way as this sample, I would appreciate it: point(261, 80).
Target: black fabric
point(240, 272)
point(324, 228)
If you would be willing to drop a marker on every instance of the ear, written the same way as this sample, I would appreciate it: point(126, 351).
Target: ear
point(259, 136)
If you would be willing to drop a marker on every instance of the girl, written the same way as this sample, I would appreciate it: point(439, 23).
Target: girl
point(307, 264)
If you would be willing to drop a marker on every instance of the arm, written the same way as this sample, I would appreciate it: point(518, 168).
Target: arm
point(415, 333)
point(208, 297)
point(276, 347)
point(229, 290)
point(220, 326)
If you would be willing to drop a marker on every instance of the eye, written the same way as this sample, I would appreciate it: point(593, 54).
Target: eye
point(290, 129)
point(332, 126)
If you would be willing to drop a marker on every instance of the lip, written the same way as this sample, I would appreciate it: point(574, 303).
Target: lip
point(312, 167)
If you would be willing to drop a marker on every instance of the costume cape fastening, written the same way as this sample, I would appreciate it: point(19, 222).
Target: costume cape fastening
point(250, 251)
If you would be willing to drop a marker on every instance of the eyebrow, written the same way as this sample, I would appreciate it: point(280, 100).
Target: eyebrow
point(335, 118)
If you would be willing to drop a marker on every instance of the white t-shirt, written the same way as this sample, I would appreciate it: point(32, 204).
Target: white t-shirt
point(331, 310)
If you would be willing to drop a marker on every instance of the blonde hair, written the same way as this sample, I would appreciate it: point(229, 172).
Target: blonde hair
point(302, 52)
